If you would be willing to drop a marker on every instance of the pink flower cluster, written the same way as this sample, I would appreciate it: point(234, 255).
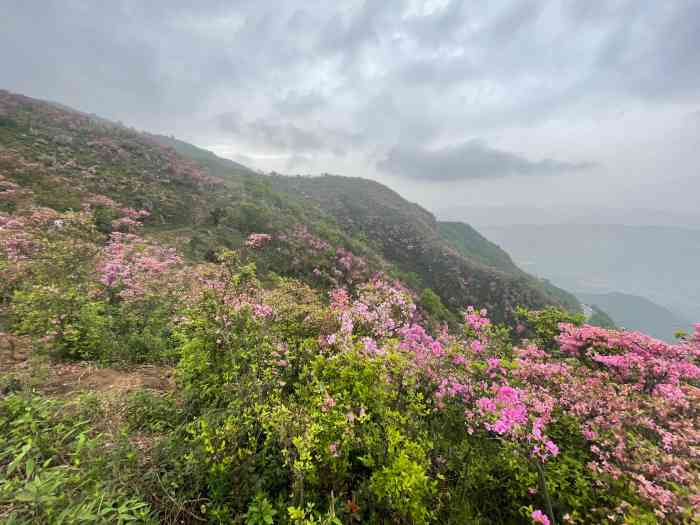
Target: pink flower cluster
point(16, 241)
point(130, 266)
point(130, 220)
point(133, 214)
point(100, 201)
point(336, 266)
point(11, 191)
point(301, 235)
point(379, 311)
point(126, 225)
point(653, 366)
point(636, 398)
point(349, 267)
point(240, 302)
point(540, 518)
point(257, 240)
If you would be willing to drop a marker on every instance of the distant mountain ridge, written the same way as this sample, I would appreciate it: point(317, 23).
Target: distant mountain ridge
point(659, 263)
point(501, 216)
point(637, 313)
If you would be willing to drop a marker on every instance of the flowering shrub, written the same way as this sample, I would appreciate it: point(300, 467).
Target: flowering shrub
point(257, 240)
point(320, 422)
point(638, 408)
point(131, 267)
point(82, 299)
point(341, 404)
point(347, 409)
point(303, 254)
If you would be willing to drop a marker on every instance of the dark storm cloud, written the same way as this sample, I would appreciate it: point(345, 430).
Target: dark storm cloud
point(470, 160)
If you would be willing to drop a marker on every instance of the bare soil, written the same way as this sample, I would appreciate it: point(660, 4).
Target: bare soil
point(63, 379)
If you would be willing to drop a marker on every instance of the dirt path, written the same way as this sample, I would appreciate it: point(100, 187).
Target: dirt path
point(63, 379)
point(86, 377)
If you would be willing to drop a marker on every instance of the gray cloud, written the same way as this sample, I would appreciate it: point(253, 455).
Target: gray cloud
point(354, 83)
point(155, 59)
point(470, 160)
point(297, 161)
point(276, 135)
point(285, 136)
point(297, 104)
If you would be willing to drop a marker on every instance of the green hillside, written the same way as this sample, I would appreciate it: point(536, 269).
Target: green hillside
point(409, 237)
point(471, 243)
point(183, 340)
point(203, 202)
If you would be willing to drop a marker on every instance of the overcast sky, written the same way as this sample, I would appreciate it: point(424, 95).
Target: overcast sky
point(577, 103)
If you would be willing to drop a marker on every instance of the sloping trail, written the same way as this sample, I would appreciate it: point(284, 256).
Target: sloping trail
point(66, 379)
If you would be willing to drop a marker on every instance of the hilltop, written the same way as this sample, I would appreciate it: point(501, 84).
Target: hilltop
point(450, 258)
point(204, 202)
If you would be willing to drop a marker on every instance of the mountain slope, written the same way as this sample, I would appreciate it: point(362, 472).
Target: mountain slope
point(290, 377)
point(637, 313)
point(471, 243)
point(202, 203)
point(217, 165)
point(409, 236)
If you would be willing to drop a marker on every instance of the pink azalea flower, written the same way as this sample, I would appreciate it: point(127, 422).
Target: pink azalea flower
point(540, 517)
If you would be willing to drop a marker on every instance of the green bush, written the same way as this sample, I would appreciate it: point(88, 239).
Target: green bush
point(75, 325)
point(142, 331)
point(433, 306)
point(66, 320)
point(54, 469)
point(542, 326)
point(149, 411)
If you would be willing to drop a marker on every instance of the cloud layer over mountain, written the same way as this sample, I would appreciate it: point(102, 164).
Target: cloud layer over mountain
point(474, 94)
point(470, 160)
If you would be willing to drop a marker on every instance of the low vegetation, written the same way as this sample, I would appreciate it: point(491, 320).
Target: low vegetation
point(286, 378)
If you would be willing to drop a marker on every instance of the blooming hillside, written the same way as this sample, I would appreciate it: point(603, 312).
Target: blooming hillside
point(204, 203)
point(301, 380)
point(457, 263)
